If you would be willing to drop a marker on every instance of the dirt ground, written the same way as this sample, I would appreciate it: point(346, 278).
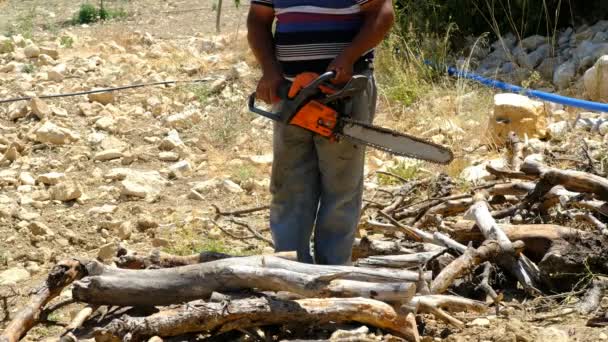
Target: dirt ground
point(220, 146)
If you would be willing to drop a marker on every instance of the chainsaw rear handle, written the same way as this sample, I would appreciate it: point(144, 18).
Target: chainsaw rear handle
point(282, 93)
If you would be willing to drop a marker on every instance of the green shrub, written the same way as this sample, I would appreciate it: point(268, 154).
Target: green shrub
point(89, 13)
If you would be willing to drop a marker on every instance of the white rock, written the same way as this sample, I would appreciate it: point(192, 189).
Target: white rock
point(105, 123)
point(480, 322)
point(265, 159)
point(171, 141)
point(205, 186)
point(108, 155)
point(168, 156)
point(14, 276)
point(187, 117)
point(596, 80)
point(103, 98)
point(50, 51)
point(26, 178)
point(17, 110)
point(478, 173)
point(558, 130)
point(142, 184)
point(51, 178)
point(53, 134)
point(104, 209)
point(57, 73)
point(40, 108)
point(181, 167)
point(66, 191)
point(519, 114)
point(232, 186)
point(603, 128)
point(31, 51)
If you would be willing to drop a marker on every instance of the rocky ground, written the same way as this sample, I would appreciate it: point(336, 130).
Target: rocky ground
point(142, 168)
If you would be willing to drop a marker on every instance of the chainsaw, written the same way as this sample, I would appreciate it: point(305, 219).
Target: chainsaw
point(310, 102)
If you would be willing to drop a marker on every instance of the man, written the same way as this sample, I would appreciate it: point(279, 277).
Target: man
point(315, 182)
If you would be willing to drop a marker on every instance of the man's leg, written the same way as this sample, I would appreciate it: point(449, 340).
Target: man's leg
point(341, 165)
point(295, 190)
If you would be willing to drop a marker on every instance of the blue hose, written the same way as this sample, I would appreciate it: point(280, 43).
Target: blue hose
point(564, 100)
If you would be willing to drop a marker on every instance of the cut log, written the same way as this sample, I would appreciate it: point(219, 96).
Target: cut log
point(366, 247)
point(181, 284)
point(255, 312)
point(518, 265)
point(518, 189)
point(576, 181)
point(537, 237)
point(466, 263)
point(447, 208)
point(399, 261)
point(60, 276)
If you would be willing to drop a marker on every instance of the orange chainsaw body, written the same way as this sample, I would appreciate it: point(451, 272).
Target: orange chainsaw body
point(313, 116)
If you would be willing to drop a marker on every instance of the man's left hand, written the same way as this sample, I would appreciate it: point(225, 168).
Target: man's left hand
point(343, 68)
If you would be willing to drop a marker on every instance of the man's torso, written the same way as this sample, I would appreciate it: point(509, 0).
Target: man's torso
point(311, 33)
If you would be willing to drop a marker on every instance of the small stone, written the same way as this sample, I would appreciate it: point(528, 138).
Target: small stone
point(558, 130)
point(11, 154)
point(51, 178)
point(32, 267)
point(159, 242)
point(14, 276)
point(187, 117)
point(125, 230)
point(265, 159)
point(603, 128)
point(103, 98)
point(40, 108)
point(208, 185)
point(603, 336)
point(31, 51)
point(517, 113)
point(64, 192)
point(171, 141)
point(57, 73)
point(168, 156)
point(180, 167)
point(107, 251)
point(104, 209)
point(39, 228)
point(53, 134)
point(26, 178)
point(108, 155)
point(232, 186)
point(50, 51)
point(145, 223)
point(105, 123)
point(480, 322)
point(17, 111)
point(143, 184)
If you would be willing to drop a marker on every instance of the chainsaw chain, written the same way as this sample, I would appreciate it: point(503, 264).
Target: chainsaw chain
point(389, 131)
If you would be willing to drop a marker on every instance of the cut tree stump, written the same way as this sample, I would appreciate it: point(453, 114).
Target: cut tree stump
point(123, 287)
point(255, 312)
point(60, 276)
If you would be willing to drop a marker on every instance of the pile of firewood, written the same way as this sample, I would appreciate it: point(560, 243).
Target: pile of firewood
point(425, 248)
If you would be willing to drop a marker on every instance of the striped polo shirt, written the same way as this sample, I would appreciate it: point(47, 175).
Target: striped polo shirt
point(311, 33)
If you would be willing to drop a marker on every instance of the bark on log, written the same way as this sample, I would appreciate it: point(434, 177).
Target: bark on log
point(255, 312)
point(467, 262)
point(60, 276)
point(518, 189)
point(576, 181)
point(518, 265)
point(537, 237)
point(186, 283)
point(447, 208)
point(509, 174)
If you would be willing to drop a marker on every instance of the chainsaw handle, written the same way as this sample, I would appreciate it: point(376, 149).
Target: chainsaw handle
point(260, 111)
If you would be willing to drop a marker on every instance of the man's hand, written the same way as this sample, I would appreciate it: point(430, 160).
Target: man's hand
point(259, 27)
point(268, 85)
point(378, 18)
point(343, 67)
